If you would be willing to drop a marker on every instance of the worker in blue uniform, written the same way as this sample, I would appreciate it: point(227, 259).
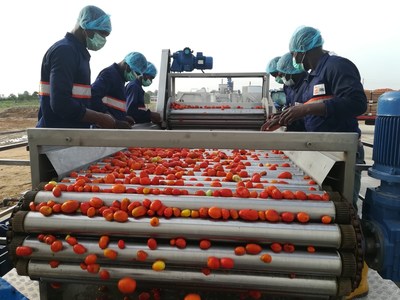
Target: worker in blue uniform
point(135, 106)
point(293, 80)
point(108, 91)
point(333, 98)
point(279, 99)
point(65, 75)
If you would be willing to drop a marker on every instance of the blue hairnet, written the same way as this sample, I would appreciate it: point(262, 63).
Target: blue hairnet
point(285, 65)
point(137, 62)
point(271, 68)
point(304, 39)
point(93, 18)
point(151, 70)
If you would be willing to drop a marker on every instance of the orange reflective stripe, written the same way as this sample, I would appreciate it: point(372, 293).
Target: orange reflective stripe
point(44, 88)
point(114, 103)
point(319, 99)
point(81, 91)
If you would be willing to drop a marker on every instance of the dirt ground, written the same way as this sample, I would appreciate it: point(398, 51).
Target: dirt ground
point(15, 180)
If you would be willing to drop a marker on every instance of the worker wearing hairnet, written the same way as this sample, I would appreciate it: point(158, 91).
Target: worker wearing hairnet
point(333, 99)
point(108, 91)
point(272, 70)
point(65, 75)
point(135, 106)
point(293, 80)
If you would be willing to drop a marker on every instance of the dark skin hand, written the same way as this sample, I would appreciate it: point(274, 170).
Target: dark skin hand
point(293, 113)
point(272, 123)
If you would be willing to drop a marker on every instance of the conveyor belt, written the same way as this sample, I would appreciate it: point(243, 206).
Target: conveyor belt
point(317, 260)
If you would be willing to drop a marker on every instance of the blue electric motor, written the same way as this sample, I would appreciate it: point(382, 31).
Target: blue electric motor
point(185, 61)
point(381, 207)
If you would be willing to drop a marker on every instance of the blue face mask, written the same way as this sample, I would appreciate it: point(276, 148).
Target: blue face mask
point(278, 79)
point(299, 66)
point(96, 42)
point(289, 82)
point(130, 76)
point(146, 82)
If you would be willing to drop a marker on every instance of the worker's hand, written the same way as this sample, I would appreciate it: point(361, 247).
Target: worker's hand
point(105, 121)
point(122, 125)
point(271, 124)
point(291, 114)
point(130, 120)
point(155, 117)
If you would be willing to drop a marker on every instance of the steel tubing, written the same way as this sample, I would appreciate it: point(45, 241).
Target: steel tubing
point(326, 286)
point(298, 262)
point(319, 235)
point(315, 209)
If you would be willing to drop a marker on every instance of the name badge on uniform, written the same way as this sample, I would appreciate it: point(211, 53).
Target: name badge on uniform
point(319, 89)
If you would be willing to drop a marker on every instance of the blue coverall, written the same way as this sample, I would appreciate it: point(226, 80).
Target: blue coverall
point(108, 92)
point(294, 95)
point(340, 79)
point(135, 106)
point(64, 85)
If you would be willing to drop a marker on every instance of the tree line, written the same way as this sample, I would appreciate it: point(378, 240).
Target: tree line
point(26, 96)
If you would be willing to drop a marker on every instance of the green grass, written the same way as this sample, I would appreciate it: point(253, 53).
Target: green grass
point(5, 104)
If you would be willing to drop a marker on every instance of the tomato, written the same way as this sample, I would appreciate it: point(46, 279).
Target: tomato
point(276, 247)
point(79, 249)
point(248, 214)
point(121, 244)
point(120, 216)
point(288, 194)
point(215, 212)
point(96, 202)
point(69, 206)
point(23, 251)
point(110, 253)
point(154, 221)
point(287, 217)
point(276, 194)
point(141, 255)
point(288, 248)
point(46, 210)
point(91, 212)
point(180, 243)
point(285, 175)
point(152, 244)
point(213, 263)
point(155, 205)
point(310, 249)
point(56, 246)
point(240, 251)
point(93, 268)
point(326, 219)
point(71, 240)
point(272, 215)
point(205, 244)
point(54, 263)
point(266, 258)
point(118, 188)
point(227, 263)
point(253, 248)
point(300, 195)
point(139, 211)
point(127, 285)
point(56, 191)
point(303, 217)
point(192, 297)
point(225, 193)
point(158, 265)
point(90, 259)
point(104, 275)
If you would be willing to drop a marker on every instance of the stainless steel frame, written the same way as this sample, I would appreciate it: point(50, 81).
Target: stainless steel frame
point(42, 141)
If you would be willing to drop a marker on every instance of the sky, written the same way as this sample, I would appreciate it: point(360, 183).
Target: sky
point(241, 36)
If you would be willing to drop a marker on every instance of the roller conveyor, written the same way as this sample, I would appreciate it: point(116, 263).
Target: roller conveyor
point(316, 260)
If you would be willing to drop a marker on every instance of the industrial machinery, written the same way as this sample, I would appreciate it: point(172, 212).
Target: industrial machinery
point(194, 110)
point(381, 208)
point(226, 214)
point(212, 190)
